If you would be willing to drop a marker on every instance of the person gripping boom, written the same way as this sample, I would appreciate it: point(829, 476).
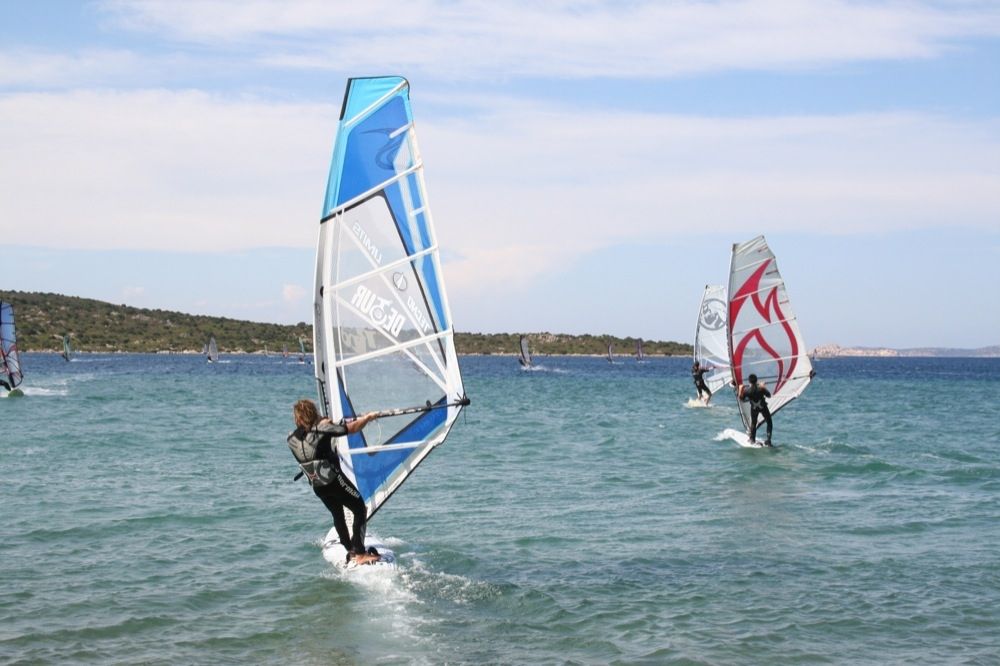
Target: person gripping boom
point(312, 445)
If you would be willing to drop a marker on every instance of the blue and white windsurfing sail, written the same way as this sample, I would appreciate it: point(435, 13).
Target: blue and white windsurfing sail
point(11, 360)
point(212, 350)
point(383, 333)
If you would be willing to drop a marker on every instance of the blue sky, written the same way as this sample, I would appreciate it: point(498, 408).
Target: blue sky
point(589, 163)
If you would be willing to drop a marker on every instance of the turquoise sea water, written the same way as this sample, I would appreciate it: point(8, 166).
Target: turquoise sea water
point(578, 514)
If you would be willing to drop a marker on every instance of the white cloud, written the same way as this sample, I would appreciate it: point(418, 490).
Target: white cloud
point(161, 170)
point(293, 293)
point(133, 292)
point(517, 189)
point(571, 39)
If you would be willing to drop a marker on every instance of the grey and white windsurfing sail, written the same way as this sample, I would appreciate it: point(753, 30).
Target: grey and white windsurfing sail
point(640, 355)
point(302, 350)
point(611, 353)
point(212, 351)
point(383, 333)
point(66, 352)
point(525, 359)
point(763, 332)
point(10, 359)
point(711, 343)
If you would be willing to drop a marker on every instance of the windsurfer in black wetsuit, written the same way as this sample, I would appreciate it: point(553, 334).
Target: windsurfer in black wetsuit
point(312, 445)
point(698, 375)
point(756, 394)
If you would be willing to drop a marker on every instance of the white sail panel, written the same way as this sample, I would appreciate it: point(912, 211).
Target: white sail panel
point(711, 344)
point(764, 336)
point(383, 336)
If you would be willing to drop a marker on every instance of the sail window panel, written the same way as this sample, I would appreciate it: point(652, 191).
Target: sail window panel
point(368, 239)
point(391, 302)
point(396, 380)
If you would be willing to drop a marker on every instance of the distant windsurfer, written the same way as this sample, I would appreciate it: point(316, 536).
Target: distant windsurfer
point(312, 445)
point(756, 394)
point(698, 375)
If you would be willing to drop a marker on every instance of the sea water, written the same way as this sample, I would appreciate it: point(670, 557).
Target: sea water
point(578, 513)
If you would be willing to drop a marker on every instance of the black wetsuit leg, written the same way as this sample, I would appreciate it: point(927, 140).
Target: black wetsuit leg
point(754, 413)
point(337, 496)
point(767, 419)
point(702, 386)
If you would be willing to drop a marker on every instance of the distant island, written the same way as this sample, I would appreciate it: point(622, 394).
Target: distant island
point(833, 351)
point(96, 326)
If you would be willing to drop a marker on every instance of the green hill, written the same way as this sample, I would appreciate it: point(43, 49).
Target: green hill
point(95, 326)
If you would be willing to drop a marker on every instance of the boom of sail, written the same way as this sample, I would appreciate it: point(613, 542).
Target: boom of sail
point(711, 342)
point(383, 333)
point(763, 332)
point(11, 360)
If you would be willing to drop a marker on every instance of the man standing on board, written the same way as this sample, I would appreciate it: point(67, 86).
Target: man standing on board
point(756, 394)
point(312, 445)
point(698, 375)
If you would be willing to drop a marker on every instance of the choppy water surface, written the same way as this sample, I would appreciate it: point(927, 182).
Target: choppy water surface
point(579, 513)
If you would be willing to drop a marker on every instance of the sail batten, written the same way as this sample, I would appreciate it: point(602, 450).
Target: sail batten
point(383, 335)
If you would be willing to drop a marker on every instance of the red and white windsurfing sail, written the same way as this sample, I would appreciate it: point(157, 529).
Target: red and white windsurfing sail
point(764, 335)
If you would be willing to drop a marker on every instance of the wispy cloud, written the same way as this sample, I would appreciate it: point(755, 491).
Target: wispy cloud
point(293, 293)
point(545, 185)
point(569, 39)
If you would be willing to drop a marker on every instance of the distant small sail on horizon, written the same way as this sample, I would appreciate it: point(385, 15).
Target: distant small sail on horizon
point(66, 352)
point(383, 333)
point(711, 342)
point(640, 355)
point(302, 351)
point(525, 359)
point(611, 353)
point(9, 356)
point(763, 333)
point(284, 351)
point(212, 350)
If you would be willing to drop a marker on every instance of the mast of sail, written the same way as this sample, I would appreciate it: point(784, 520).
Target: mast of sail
point(383, 335)
point(762, 331)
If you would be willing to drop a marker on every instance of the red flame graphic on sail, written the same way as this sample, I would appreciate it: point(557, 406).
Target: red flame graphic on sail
point(769, 309)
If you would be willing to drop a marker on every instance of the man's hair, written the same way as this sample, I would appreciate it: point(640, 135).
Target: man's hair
point(306, 414)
